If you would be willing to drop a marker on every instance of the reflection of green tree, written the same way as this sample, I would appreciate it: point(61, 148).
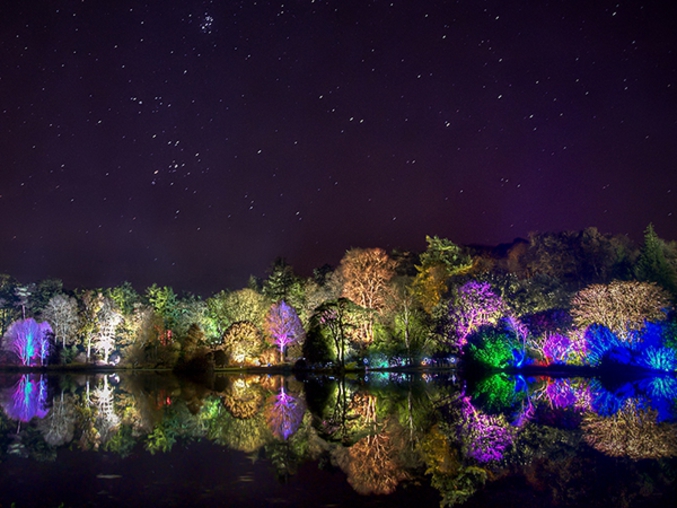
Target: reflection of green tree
point(496, 393)
point(457, 489)
point(161, 439)
point(176, 422)
point(245, 435)
point(122, 442)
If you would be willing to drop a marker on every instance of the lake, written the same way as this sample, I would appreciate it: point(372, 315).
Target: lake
point(380, 439)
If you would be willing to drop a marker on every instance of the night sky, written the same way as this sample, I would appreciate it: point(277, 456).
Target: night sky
point(190, 143)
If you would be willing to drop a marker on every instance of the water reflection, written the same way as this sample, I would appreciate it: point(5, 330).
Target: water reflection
point(555, 436)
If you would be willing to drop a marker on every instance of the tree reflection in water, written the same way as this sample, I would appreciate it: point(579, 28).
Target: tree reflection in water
point(27, 399)
point(555, 435)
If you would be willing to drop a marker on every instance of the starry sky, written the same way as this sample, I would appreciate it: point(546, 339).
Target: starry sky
point(190, 143)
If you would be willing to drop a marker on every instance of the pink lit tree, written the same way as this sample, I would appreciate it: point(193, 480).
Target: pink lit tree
point(29, 340)
point(284, 326)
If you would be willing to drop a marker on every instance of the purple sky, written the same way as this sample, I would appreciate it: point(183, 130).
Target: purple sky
point(189, 143)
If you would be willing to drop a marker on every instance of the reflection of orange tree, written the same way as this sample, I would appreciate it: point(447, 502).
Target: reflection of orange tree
point(243, 398)
point(243, 342)
point(372, 464)
point(631, 432)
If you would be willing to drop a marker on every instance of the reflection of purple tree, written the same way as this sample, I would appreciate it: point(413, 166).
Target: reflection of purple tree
point(476, 305)
point(486, 437)
point(29, 341)
point(285, 415)
point(284, 326)
point(567, 393)
point(28, 399)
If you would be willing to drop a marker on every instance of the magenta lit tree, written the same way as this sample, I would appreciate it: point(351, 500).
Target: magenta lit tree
point(284, 326)
point(284, 414)
point(476, 305)
point(29, 340)
point(28, 399)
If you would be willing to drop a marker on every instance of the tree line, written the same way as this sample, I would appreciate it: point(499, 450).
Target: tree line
point(570, 297)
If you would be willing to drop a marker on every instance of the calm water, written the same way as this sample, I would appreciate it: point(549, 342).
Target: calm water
point(384, 440)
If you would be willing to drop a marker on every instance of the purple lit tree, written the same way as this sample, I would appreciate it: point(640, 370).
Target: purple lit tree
point(28, 399)
point(29, 340)
point(284, 326)
point(476, 305)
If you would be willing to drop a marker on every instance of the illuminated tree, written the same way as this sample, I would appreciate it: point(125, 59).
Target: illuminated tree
point(284, 327)
point(29, 340)
point(631, 432)
point(475, 305)
point(439, 262)
point(61, 313)
point(622, 307)
point(408, 322)
point(560, 349)
point(366, 273)
point(91, 303)
point(242, 342)
point(108, 320)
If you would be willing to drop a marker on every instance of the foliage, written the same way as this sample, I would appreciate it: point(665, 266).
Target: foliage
point(457, 489)
point(336, 319)
point(441, 260)
point(652, 264)
point(492, 347)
